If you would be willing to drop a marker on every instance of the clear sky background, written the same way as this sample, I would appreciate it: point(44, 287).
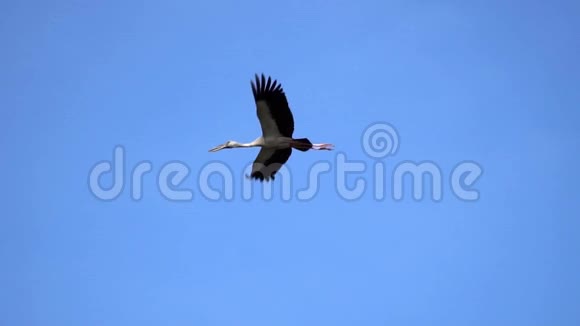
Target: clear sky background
point(494, 82)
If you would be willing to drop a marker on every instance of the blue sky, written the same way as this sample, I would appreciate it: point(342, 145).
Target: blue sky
point(491, 82)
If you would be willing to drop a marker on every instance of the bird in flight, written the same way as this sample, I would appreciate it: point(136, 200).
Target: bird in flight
point(277, 125)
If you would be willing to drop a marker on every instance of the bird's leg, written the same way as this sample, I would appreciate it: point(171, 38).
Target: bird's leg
point(304, 146)
point(327, 147)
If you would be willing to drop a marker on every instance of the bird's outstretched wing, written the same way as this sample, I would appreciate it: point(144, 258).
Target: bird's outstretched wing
point(272, 108)
point(268, 162)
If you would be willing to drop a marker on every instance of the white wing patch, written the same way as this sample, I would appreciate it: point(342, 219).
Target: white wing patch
point(269, 127)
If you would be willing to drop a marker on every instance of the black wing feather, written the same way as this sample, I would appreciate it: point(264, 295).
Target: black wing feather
point(267, 169)
point(272, 92)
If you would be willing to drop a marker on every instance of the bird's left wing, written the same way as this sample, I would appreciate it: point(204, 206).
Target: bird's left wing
point(272, 108)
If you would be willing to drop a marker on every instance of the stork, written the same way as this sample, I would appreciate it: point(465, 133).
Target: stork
point(277, 125)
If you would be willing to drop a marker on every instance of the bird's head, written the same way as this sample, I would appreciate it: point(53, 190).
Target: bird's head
point(228, 144)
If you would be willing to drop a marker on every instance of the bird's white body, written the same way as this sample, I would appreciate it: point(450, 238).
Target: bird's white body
point(274, 142)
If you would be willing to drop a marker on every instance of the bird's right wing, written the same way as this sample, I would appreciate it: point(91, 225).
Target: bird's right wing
point(268, 163)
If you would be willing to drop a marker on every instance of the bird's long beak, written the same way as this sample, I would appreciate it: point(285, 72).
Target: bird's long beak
point(217, 148)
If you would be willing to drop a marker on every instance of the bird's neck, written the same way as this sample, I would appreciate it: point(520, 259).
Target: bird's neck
point(250, 144)
point(257, 142)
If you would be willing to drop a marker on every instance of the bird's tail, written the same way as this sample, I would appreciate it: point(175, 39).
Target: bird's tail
point(304, 146)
